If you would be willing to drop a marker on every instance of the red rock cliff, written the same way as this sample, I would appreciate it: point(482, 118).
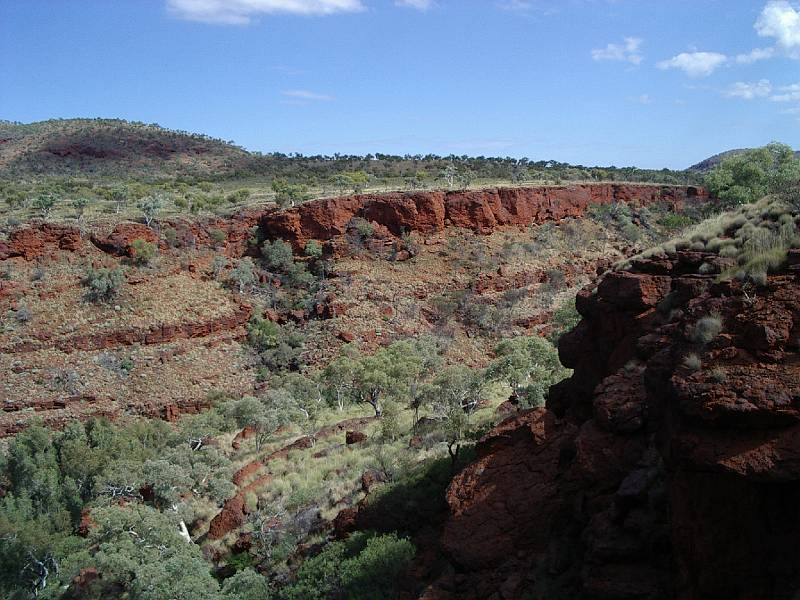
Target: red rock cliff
point(397, 212)
point(647, 476)
point(481, 210)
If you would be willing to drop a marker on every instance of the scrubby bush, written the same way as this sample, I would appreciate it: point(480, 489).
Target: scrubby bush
point(277, 255)
point(22, 314)
point(150, 207)
point(313, 249)
point(288, 194)
point(243, 275)
point(103, 284)
point(218, 266)
point(675, 221)
point(238, 196)
point(142, 251)
point(217, 236)
point(279, 347)
point(363, 567)
point(363, 228)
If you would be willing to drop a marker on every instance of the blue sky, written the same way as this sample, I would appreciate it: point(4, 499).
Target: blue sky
point(652, 83)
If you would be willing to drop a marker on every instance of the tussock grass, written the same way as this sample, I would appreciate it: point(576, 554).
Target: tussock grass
point(758, 236)
point(692, 362)
point(707, 328)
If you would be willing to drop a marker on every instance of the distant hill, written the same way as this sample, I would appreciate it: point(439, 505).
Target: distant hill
point(112, 148)
point(712, 161)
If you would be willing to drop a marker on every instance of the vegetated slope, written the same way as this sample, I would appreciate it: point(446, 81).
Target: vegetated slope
point(180, 320)
point(112, 148)
point(667, 466)
point(704, 166)
point(121, 150)
point(376, 275)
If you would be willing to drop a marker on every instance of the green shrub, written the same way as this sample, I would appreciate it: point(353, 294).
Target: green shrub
point(239, 196)
point(313, 249)
point(142, 251)
point(363, 567)
point(103, 284)
point(363, 227)
point(277, 255)
point(243, 275)
point(217, 236)
point(675, 221)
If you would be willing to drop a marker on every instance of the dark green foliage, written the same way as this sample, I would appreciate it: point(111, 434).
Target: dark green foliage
point(752, 174)
point(44, 203)
point(277, 256)
point(363, 227)
point(416, 500)
point(363, 567)
point(675, 221)
point(103, 284)
point(49, 477)
point(529, 365)
point(279, 346)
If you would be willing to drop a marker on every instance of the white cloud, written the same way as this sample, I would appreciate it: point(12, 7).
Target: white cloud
point(781, 20)
point(241, 12)
point(788, 93)
point(628, 51)
point(306, 95)
point(755, 55)
point(642, 99)
point(695, 64)
point(418, 4)
point(749, 91)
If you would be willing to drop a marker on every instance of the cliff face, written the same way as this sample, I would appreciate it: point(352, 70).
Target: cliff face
point(394, 213)
point(481, 211)
point(648, 475)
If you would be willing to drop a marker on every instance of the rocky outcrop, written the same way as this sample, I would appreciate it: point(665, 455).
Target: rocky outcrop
point(648, 475)
point(119, 241)
point(40, 239)
point(480, 210)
